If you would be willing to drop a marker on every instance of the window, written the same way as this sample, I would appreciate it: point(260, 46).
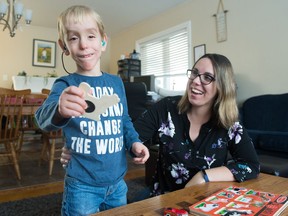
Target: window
point(167, 56)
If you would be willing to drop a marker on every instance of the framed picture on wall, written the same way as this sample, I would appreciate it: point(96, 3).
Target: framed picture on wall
point(44, 53)
point(199, 51)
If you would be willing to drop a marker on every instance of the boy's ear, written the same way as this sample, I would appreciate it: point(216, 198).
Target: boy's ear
point(63, 47)
point(104, 43)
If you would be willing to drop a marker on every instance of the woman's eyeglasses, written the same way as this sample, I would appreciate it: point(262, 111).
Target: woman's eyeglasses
point(205, 78)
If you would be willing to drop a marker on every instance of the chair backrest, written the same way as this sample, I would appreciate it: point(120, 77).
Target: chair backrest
point(10, 116)
point(136, 94)
point(45, 91)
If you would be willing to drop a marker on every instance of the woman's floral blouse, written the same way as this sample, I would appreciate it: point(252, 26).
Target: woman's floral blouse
point(180, 158)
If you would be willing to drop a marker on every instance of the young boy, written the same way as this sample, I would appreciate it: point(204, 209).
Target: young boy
point(94, 176)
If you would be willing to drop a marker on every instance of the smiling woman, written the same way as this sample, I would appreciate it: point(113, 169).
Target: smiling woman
point(196, 130)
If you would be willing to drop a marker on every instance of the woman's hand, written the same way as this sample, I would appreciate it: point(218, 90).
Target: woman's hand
point(141, 152)
point(65, 157)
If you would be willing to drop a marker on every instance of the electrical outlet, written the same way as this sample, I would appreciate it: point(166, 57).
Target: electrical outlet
point(5, 77)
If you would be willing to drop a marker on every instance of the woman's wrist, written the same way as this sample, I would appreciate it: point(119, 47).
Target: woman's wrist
point(205, 176)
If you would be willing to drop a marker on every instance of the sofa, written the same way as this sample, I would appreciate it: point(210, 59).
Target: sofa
point(266, 119)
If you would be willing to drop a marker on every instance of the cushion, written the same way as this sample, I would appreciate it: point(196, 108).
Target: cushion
point(273, 142)
point(266, 112)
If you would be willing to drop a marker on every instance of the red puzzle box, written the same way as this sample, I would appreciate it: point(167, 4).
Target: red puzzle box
point(240, 201)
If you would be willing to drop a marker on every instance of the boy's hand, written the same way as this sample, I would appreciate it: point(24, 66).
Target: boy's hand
point(141, 152)
point(71, 102)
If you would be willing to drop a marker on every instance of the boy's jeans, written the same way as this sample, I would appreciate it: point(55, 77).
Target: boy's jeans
point(82, 199)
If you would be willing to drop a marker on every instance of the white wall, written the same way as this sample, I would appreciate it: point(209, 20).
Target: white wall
point(16, 54)
point(256, 45)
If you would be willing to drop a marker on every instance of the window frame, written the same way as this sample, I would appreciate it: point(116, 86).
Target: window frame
point(167, 33)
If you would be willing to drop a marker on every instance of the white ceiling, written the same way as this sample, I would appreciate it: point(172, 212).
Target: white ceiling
point(117, 15)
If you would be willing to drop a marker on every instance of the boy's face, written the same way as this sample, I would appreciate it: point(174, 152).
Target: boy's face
point(84, 43)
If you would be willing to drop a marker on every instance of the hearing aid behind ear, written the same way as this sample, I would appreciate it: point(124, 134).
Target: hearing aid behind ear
point(103, 43)
point(97, 106)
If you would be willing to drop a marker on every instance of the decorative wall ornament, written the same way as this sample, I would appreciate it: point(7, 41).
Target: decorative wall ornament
point(221, 23)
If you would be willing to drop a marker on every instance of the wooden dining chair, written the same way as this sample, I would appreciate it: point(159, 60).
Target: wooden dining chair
point(53, 142)
point(23, 92)
point(30, 132)
point(10, 120)
point(45, 91)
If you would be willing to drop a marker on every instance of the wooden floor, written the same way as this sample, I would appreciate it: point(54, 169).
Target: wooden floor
point(35, 179)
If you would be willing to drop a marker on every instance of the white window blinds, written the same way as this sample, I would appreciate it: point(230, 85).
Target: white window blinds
point(167, 56)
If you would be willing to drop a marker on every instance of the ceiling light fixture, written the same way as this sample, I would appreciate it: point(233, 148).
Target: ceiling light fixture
point(14, 11)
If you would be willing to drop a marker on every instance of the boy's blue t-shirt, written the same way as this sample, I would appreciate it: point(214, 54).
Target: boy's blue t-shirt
point(98, 147)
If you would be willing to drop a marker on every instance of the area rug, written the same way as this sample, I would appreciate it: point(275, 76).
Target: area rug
point(50, 205)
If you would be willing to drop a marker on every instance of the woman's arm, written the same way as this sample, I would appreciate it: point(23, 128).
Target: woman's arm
point(244, 164)
point(213, 175)
point(148, 123)
point(65, 156)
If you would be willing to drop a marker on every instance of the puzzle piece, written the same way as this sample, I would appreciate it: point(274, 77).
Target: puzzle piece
point(208, 207)
point(97, 106)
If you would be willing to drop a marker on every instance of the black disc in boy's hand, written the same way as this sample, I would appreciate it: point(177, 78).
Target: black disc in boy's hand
point(91, 106)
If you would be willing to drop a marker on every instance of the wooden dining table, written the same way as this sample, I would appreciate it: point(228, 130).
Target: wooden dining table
point(183, 198)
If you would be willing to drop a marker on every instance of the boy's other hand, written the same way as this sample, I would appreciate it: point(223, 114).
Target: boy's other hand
point(141, 152)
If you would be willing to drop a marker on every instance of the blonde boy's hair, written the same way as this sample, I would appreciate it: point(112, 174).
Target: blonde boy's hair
point(77, 14)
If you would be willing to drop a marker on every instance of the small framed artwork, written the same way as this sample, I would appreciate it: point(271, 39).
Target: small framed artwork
point(199, 51)
point(44, 53)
